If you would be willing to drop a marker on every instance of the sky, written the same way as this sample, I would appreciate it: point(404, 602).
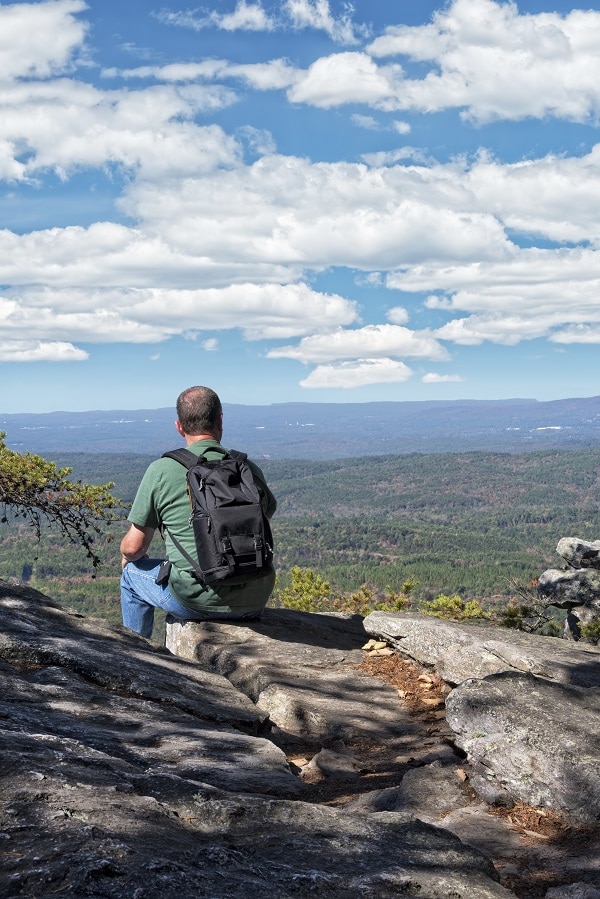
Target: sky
point(298, 201)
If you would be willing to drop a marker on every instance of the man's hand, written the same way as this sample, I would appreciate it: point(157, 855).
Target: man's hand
point(135, 543)
point(125, 560)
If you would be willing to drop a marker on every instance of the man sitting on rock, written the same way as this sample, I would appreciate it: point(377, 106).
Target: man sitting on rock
point(162, 502)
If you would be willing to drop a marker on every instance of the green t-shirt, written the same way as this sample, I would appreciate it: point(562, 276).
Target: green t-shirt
point(162, 499)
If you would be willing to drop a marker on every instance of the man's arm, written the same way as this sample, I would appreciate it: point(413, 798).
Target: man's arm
point(135, 543)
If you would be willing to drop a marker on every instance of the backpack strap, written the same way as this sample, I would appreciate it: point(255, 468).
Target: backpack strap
point(184, 456)
point(189, 459)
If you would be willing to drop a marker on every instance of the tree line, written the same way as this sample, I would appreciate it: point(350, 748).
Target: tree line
point(471, 524)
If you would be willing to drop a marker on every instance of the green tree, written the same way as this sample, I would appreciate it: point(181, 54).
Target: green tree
point(452, 607)
point(37, 491)
point(307, 592)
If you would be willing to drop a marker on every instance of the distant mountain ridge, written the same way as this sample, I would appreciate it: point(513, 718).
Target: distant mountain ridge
point(325, 430)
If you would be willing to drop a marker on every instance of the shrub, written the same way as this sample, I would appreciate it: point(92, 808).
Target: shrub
point(591, 632)
point(37, 491)
point(452, 607)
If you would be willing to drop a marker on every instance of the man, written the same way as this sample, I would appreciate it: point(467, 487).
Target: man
point(162, 500)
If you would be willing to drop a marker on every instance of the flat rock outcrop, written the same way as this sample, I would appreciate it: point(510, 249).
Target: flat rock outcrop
point(301, 670)
point(125, 771)
point(460, 651)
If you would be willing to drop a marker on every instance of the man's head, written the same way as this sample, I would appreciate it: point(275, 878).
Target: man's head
point(200, 413)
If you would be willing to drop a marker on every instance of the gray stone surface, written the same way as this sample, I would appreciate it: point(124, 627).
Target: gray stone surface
point(299, 668)
point(571, 588)
point(574, 891)
point(460, 651)
point(577, 589)
point(539, 740)
point(125, 771)
point(579, 553)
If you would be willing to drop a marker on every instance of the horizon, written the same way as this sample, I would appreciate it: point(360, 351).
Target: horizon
point(171, 408)
point(303, 201)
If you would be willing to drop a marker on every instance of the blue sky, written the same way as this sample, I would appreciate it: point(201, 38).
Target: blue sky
point(306, 200)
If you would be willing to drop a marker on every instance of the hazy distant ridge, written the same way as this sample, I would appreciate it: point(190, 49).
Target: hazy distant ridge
point(325, 430)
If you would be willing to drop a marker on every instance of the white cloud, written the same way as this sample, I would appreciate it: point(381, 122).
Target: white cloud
point(258, 140)
point(391, 157)
point(537, 293)
point(245, 17)
point(67, 125)
point(277, 74)
point(216, 244)
point(290, 211)
point(434, 378)
point(582, 333)
point(497, 63)
point(40, 351)
point(349, 77)
point(373, 341)
point(358, 373)
point(121, 315)
point(317, 14)
point(37, 40)
point(398, 315)
point(295, 14)
point(210, 345)
point(366, 121)
point(369, 279)
point(486, 58)
point(552, 197)
point(502, 328)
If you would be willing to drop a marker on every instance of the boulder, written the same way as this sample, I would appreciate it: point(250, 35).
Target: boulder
point(579, 553)
point(578, 588)
point(538, 740)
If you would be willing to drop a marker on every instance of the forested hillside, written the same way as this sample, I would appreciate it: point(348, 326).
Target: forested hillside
point(467, 523)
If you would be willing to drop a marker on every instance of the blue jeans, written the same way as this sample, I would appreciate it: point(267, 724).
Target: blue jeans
point(140, 595)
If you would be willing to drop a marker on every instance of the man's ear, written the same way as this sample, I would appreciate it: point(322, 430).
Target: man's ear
point(179, 428)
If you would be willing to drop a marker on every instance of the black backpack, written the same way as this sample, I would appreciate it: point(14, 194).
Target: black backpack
point(233, 535)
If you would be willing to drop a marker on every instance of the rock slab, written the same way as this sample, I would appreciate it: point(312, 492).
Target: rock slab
point(128, 772)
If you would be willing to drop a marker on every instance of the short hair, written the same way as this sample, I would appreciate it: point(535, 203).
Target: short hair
point(198, 410)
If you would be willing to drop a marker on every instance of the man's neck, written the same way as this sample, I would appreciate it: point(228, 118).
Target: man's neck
point(196, 438)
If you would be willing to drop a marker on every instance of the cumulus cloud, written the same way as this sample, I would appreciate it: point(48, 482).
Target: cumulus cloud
point(37, 40)
point(40, 351)
point(358, 373)
point(398, 315)
point(552, 197)
point(434, 378)
point(213, 243)
point(292, 211)
point(276, 74)
point(151, 315)
point(498, 63)
point(64, 126)
point(485, 58)
point(374, 341)
point(350, 77)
